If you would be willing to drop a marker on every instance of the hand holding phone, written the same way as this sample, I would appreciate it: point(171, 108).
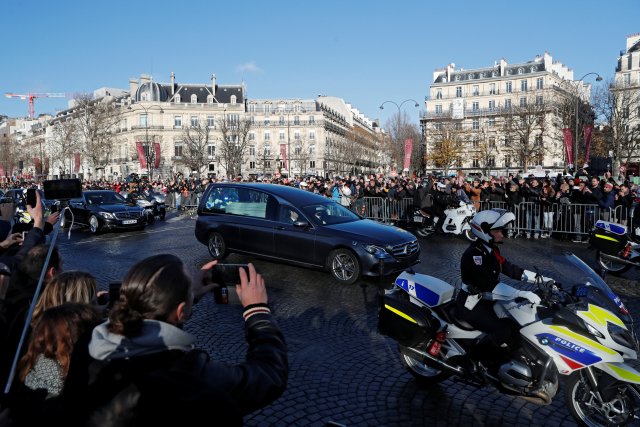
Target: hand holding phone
point(31, 197)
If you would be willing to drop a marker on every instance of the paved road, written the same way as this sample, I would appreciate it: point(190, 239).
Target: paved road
point(342, 370)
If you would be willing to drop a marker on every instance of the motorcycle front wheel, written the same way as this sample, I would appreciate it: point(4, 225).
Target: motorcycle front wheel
point(424, 374)
point(611, 265)
point(620, 410)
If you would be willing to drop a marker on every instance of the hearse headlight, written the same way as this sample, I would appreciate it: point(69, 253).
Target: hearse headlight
point(107, 215)
point(373, 249)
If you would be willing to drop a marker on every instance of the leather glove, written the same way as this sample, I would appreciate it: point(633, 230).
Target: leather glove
point(533, 298)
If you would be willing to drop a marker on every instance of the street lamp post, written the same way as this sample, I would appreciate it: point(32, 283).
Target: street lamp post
point(399, 106)
point(149, 152)
point(575, 154)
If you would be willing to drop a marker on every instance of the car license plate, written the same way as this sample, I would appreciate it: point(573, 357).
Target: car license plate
point(129, 221)
point(417, 219)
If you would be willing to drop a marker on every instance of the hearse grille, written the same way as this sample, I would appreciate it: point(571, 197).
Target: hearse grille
point(127, 215)
point(405, 249)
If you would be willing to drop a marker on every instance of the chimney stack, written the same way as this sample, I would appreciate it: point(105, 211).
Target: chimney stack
point(173, 84)
point(133, 87)
point(213, 84)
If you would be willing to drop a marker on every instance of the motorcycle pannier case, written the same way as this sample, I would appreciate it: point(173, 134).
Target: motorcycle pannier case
point(405, 322)
point(608, 237)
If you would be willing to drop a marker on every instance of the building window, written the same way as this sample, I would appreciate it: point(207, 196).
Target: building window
point(267, 122)
point(281, 136)
point(177, 122)
point(312, 135)
point(123, 126)
point(492, 88)
point(252, 120)
point(296, 135)
point(266, 108)
point(297, 150)
point(508, 87)
point(507, 104)
point(626, 79)
point(143, 120)
point(211, 150)
point(475, 163)
point(252, 165)
point(178, 150)
point(539, 83)
point(507, 161)
point(252, 108)
point(476, 90)
point(458, 91)
point(491, 162)
point(233, 99)
point(312, 119)
point(266, 150)
point(625, 112)
point(177, 98)
point(209, 99)
point(539, 100)
point(267, 136)
point(520, 70)
point(475, 106)
point(296, 120)
point(474, 142)
point(438, 93)
point(312, 164)
point(476, 124)
point(252, 150)
point(523, 85)
point(457, 126)
point(523, 102)
point(492, 142)
point(194, 121)
point(438, 108)
point(252, 136)
point(281, 120)
point(492, 104)
point(312, 149)
point(211, 122)
point(194, 99)
point(491, 122)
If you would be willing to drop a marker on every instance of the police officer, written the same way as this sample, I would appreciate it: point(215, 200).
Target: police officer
point(480, 269)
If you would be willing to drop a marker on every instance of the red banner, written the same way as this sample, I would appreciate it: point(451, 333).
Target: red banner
point(156, 149)
point(588, 138)
point(76, 162)
point(568, 144)
point(408, 146)
point(283, 154)
point(46, 166)
point(141, 157)
point(38, 165)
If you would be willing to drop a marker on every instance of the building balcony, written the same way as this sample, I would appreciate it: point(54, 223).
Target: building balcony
point(147, 127)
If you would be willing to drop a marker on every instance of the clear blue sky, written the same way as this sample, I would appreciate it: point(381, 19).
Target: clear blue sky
point(366, 52)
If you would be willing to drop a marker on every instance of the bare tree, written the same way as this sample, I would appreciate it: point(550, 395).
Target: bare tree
point(63, 144)
point(617, 105)
point(196, 140)
point(400, 129)
point(524, 126)
point(234, 143)
point(485, 148)
point(301, 154)
point(97, 122)
point(8, 155)
point(446, 139)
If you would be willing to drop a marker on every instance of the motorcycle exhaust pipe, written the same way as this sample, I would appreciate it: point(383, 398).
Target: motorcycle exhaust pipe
point(618, 259)
point(428, 359)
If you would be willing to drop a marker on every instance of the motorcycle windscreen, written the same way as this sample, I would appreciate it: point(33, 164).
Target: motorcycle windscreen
point(407, 323)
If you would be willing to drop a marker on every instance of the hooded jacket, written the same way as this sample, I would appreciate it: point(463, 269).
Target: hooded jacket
point(157, 378)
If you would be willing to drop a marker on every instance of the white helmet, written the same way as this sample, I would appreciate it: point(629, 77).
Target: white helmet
point(488, 220)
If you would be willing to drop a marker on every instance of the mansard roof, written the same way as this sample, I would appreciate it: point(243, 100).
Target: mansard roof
point(161, 92)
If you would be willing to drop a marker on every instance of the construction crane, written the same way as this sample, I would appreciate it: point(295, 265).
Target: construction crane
point(32, 96)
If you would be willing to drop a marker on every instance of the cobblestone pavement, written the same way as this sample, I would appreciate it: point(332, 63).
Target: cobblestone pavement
point(342, 370)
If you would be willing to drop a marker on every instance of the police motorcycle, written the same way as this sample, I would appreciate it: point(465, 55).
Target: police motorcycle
point(152, 203)
point(617, 249)
point(457, 221)
point(579, 331)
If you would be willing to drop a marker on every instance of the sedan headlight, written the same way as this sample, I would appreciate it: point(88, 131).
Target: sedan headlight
point(375, 250)
point(107, 215)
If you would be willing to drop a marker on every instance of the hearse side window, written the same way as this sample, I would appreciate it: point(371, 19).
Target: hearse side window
point(238, 201)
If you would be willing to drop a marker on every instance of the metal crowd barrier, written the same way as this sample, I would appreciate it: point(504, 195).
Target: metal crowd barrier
point(531, 218)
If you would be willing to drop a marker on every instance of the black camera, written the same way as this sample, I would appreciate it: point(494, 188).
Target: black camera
point(62, 189)
point(227, 274)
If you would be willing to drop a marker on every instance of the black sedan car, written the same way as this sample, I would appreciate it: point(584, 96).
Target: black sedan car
point(103, 210)
point(295, 226)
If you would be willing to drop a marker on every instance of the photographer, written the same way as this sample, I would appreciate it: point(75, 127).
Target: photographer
point(144, 361)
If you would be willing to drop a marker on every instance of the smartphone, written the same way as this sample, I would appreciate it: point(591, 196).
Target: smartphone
point(31, 197)
point(227, 274)
point(114, 293)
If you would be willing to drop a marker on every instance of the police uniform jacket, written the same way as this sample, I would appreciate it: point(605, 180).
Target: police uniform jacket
point(480, 268)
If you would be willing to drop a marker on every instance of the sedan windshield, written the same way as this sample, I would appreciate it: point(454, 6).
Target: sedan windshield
point(104, 198)
point(329, 214)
